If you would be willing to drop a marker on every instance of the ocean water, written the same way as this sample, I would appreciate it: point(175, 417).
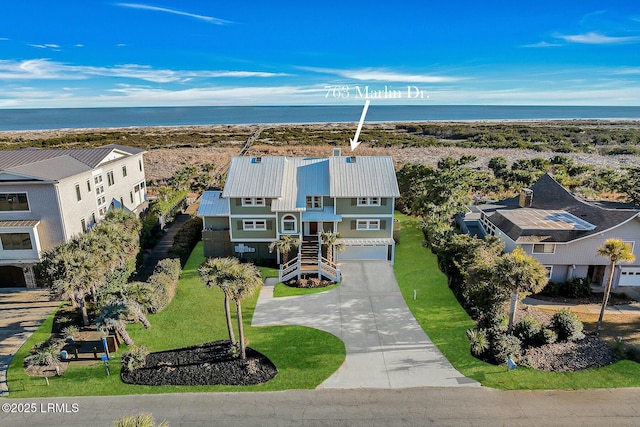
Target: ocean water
point(61, 118)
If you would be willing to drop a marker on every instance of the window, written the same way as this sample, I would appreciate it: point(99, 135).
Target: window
point(289, 224)
point(254, 225)
point(121, 203)
point(15, 241)
point(14, 202)
point(368, 201)
point(78, 195)
point(368, 224)
point(83, 224)
point(97, 179)
point(253, 201)
point(89, 185)
point(131, 196)
point(93, 218)
point(549, 270)
point(314, 202)
point(544, 248)
point(140, 164)
point(110, 179)
point(124, 171)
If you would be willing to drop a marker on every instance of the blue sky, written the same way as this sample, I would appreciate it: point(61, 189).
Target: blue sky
point(97, 53)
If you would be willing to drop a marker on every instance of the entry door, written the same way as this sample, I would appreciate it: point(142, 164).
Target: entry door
point(313, 228)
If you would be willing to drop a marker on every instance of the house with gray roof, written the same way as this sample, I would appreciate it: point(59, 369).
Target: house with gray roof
point(48, 196)
point(265, 198)
point(562, 231)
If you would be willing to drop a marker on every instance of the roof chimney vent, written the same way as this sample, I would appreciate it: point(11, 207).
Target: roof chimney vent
point(526, 198)
point(336, 152)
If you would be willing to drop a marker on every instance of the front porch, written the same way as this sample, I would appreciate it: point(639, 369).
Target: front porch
point(309, 262)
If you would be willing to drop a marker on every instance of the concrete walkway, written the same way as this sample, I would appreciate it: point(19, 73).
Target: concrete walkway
point(386, 348)
point(22, 311)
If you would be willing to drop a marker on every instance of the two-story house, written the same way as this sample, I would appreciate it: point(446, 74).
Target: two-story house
point(561, 231)
point(265, 198)
point(48, 196)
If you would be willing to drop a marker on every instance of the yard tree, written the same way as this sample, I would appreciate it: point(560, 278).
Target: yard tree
point(616, 251)
point(222, 272)
point(517, 272)
point(114, 317)
point(330, 240)
point(244, 285)
point(284, 246)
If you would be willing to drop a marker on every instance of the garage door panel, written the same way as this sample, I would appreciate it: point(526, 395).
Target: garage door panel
point(359, 253)
point(629, 276)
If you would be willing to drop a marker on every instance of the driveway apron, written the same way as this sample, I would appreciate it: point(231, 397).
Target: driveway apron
point(385, 345)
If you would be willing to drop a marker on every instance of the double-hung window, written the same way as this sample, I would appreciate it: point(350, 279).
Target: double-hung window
point(314, 202)
point(110, 179)
point(368, 224)
point(368, 201)
point(253, 201)
point(254, 225)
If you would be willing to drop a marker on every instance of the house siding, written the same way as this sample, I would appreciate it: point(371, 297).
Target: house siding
point(237, 233)
point(236, 208)
point(215, 223)
point(346, 228)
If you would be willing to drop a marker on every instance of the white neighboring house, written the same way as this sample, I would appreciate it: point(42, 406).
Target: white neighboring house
point(48, 196)
point(265, 198)
point(561, 231)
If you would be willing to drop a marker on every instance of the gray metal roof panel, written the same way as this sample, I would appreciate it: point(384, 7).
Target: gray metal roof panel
point(247, 178)
point(368, 176)
point(212, 204)
point(56, 168)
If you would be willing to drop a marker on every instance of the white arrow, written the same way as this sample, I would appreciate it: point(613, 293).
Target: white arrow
point(354, 142)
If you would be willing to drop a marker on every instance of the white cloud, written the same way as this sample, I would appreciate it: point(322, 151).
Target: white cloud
point(209, 19)
point(542, 44)
point(4, 39)
point(78, 45)
point(49, 46)
point(596, 38)
point(384, 75)
point(41, 69)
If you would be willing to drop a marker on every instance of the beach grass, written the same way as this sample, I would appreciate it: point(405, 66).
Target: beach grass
point(446, 322)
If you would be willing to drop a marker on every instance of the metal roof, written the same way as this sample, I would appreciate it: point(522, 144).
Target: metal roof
point(250, 178)
point(367, 176)
point(302, 178)
point(66, 165)
point(325, 214)
point(211, 204)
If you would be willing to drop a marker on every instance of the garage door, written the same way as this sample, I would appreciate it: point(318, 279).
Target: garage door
point(629, 276)
point(366, 253)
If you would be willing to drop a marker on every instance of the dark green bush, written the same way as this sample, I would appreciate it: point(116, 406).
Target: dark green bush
point(528, 330)
point(164, 282)
point(548, 336)
point(479, 341)
point(576, 288)
point(567, 325)
point(504, 347)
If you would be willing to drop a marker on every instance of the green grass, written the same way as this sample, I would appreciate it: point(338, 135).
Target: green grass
point(444, 320)
point(304, 356)
point(282, 290)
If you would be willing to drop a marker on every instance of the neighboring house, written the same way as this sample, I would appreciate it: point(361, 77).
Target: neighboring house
point(48, 196)
point(265, 198)
point(561, 231)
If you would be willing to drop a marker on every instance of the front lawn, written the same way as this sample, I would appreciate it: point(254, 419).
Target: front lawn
point(446, 322)
point(304, 356)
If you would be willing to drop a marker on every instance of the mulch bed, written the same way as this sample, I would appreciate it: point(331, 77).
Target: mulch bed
point(204, 364)
point(595, 298)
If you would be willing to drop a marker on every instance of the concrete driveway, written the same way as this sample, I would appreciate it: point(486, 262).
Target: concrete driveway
point(386, 348)
point(22, 311)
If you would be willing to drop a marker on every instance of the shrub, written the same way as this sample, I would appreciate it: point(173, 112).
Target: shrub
point(633, 353)
point(576, 288)
point(45, 353)
point(143, 419)
point(479, 341)
point(567, 325)
point(548, 336)
point(70, 331)
point(552, 289)
point(135, 358)
point(505, 347)
point(314, 282)
point(528, 330)
point(186, 239)
point(164, 282)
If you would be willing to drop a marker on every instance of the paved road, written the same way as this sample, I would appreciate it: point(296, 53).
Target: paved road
point(22, 311)
point(386, 347)
point(461, 406)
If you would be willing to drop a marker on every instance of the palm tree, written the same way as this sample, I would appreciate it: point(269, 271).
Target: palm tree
point(330, 240)
point(221, 272)
point(114, 317)
point(617, 251)
point(518, 272)
point(284, 246)
point(246, 283)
